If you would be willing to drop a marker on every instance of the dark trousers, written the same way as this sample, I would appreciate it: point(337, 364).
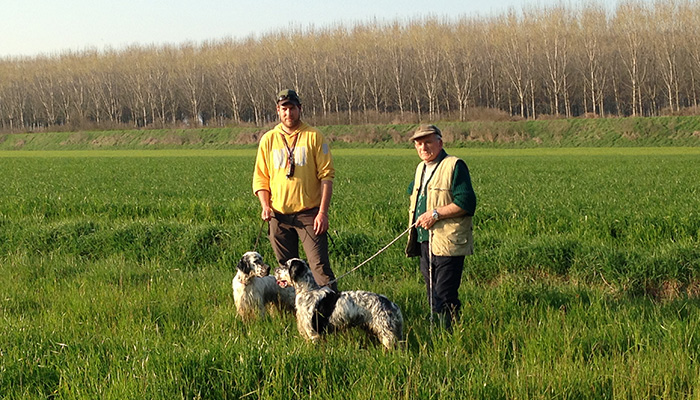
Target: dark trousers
point(447, 276)
point(285, 232)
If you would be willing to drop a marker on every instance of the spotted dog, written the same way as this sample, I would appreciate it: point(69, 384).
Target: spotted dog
point(254, 289)
point(320, 309)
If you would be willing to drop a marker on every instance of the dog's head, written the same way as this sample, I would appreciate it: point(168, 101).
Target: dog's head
point(252, 264)
point(293, 272)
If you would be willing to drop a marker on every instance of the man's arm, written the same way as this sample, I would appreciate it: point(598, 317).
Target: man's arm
point(264, 197)
point(451, 210)
point(321, 220)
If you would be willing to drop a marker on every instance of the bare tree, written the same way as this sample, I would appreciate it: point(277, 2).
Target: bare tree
point(460, 60)
point(136, 90)
point(690, 14)
point(593, 26)
point(112, 84)
point(372, 70)
point(254, 87)
point(320, 69)
point(491, 69)
point(190, 76)
point(554, 40)
point(345, 64)
point(630, 25)
point(160, 77)
point(44, 89)
point(516, 46)
point(428, 61)
point(670, 33)
point(13, 96)
point(395, 51)
point(229, 74)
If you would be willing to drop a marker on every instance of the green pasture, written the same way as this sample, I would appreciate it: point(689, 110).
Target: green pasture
point(116, 268)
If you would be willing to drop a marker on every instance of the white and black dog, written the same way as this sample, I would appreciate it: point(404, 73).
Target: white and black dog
point(319, 309)
point(254, 289)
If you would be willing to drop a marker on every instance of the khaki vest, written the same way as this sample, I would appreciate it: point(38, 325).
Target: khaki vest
point(449, 236)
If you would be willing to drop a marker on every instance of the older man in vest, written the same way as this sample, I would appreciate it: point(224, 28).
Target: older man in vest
point(442, 205)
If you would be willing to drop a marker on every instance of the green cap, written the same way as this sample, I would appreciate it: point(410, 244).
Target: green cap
point(287, 96)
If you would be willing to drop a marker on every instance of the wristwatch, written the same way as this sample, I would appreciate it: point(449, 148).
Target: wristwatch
point(436, 216)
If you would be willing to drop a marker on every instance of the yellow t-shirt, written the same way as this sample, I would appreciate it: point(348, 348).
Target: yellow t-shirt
point(313, 163)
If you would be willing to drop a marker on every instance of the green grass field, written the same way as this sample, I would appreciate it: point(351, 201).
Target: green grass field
point(116, 268)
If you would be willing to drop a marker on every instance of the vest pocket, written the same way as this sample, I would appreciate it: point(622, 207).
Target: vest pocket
point(439, 196)
point(457, 240)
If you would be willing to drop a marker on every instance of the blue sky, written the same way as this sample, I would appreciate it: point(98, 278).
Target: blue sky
point(33, 27)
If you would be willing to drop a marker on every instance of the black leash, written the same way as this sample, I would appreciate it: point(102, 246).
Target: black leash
point(255, 248)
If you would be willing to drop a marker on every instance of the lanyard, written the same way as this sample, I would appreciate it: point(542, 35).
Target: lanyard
point(290, 151)
point(290, 154)
point(422, 189)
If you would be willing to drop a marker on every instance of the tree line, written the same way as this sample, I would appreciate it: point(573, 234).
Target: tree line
point(639, 59)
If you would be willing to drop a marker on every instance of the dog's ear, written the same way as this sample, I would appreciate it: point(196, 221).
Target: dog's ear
point(243, 266)
point(297, 267)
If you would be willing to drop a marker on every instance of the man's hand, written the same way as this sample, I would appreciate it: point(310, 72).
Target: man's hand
point(267, 213)
point(426, 220)
point(320, 223)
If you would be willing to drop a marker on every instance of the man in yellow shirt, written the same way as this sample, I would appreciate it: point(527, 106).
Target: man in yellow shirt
point(293, 179)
